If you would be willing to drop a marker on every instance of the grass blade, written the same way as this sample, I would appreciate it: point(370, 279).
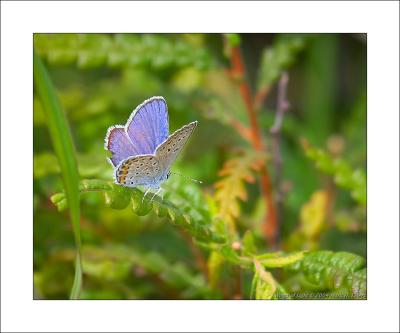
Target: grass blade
point(64, 148)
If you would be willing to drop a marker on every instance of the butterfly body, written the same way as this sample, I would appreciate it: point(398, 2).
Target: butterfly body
point(142, 151)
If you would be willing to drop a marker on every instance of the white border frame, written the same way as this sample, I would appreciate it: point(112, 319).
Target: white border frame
point(379, 19)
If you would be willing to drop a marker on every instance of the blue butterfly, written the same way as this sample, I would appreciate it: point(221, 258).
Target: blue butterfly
point(142, 150)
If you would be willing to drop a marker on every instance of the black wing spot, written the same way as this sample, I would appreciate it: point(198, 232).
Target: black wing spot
point(169, 149)
point(154, 163)
point(131, 182)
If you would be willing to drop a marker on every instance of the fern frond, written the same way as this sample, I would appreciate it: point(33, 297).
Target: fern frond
point(119, 197)
point(278, 259)
point(335, 271)
point(312, 219)
point(343, 175)
point(121, 50)
point(232, 187)
point(279, 57)
point(264, 285)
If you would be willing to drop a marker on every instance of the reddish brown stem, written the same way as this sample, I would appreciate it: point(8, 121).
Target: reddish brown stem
point(242, 130)
point(238, 71)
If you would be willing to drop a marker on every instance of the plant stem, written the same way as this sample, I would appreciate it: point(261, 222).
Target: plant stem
point(197, 254)
point(282, 107)
point(238, 287)
point(238, 71)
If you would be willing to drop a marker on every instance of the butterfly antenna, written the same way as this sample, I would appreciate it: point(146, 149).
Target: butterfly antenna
point(192, 179)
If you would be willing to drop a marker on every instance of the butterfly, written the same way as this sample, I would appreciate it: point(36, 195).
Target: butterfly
point(142, 150)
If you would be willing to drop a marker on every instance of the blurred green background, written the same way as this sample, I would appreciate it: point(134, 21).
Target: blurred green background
point(101, 78)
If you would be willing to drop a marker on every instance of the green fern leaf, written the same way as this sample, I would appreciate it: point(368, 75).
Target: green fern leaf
point(343, 175)
point(235, 174)
point(280, 260)
point(118, 197)
point(121, 50)
point(334, 271)
point(278, 58)
point(264, 285)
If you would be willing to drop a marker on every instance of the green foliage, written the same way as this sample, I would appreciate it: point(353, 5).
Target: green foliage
point(343, 175)
point(249, 246)
point(64, 148)
point(235, 172)
point(312, 222)
point(339, 272)
point(121, 50)
point(279, 260)
point(264, 285)
point(279, 57)
point(116, 263)
point(119, 197)
point(214, 265)
point(233, 39)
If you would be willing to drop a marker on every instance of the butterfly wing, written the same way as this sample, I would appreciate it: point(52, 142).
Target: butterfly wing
point(119, 144)
point(169, 150)
point(139, 170)
point(147, 126)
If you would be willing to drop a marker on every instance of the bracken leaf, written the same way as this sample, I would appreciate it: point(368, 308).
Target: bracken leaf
point(118, 197)
point(281, 260)
point(344, 176)
point(121, 50)
point(235, 174)
point(334, 271)
point(279, 57)
point(265, 285)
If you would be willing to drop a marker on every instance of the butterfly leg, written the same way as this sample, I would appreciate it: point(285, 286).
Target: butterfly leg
point(144, 195)
point(155, 193)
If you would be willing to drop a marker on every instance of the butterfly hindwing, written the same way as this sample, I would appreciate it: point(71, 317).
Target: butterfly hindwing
point(119, 144)
point(169, 150)
point(138, 170)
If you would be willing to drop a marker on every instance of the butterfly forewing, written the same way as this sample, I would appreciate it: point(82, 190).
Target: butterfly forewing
point(168, 151)
point(138, 170)
point(147, 127)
